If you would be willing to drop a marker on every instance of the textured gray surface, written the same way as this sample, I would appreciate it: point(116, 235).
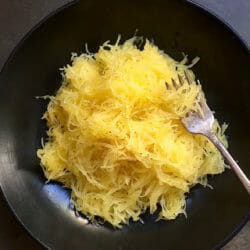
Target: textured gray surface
point(17, 17)
point(240, 241)
point(235, 12)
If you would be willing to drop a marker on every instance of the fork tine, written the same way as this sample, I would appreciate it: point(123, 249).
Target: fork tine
point(167, 85)
point(174, 83)
point(189, 80)
point(180, 80)
point(203, 104)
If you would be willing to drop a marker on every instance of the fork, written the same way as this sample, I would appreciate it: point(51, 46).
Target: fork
point(196, 123)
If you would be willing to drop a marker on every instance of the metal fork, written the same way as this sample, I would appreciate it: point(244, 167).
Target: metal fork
point(196, 123)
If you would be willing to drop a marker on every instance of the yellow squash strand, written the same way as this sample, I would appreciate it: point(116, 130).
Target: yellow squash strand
point(115, 136)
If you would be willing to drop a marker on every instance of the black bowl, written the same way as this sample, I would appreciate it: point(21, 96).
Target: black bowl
point(32, 70)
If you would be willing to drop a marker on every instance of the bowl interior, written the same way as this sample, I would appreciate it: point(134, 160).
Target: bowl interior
point(33, 70)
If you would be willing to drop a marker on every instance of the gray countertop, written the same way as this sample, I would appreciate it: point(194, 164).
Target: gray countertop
point(17, 17)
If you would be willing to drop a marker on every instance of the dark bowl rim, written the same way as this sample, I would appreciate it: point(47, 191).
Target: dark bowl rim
point(203, 9)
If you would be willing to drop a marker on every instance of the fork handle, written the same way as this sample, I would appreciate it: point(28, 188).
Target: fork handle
point(236, 168)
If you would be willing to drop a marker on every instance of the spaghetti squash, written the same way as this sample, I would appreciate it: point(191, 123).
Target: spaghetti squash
point(115, 137)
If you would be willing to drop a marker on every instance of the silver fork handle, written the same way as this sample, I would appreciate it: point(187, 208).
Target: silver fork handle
point(235, 167)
